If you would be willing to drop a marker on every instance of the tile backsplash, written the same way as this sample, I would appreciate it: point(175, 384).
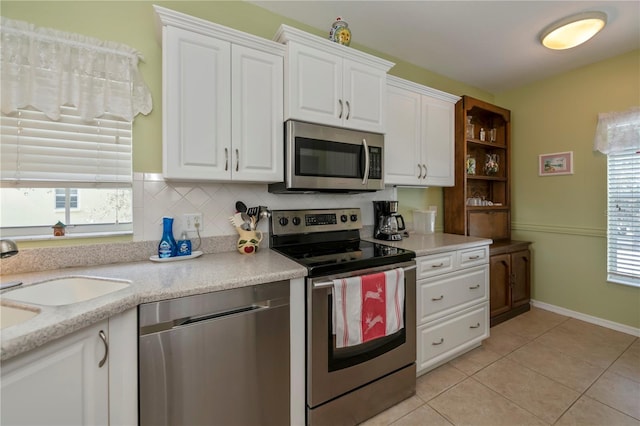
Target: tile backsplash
point(155, 198)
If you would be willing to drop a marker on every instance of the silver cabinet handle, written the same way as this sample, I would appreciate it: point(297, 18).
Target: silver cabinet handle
point(475, 326)
point(348, 110)
point(474, 257)
point(439, 265)
point(474, 287)
point(341, 108)
point(425, 172)
point(419, 172)
point(237, 159)
point(438, 343)
point(103, 337)
point(435, 299)
point(226, 159)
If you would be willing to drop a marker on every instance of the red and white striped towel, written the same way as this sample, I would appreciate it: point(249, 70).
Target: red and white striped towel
point(368, 307)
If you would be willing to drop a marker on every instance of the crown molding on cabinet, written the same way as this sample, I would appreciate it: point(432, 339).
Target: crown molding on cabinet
point(419, 88)
point(166, 16)
point(286, 34)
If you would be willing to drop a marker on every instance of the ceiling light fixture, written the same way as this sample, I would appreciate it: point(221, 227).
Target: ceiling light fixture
point(573, 30)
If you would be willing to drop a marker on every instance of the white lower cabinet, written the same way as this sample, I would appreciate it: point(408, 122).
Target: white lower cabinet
point(68, 381)
point(452, 310)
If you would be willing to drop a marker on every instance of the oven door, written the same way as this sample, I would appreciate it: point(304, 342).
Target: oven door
point(332, 372)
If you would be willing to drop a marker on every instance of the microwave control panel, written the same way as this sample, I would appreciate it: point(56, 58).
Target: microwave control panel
point(375, 162)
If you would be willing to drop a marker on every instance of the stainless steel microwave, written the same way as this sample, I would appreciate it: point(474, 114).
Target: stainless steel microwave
point(321, 158)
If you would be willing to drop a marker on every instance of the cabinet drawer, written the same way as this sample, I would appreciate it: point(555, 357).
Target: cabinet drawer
point(444, 294)
point(438, 341)
point(473, 256)
point(435, 264)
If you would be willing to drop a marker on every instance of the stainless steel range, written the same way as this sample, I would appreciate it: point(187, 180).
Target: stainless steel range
point(347, 385)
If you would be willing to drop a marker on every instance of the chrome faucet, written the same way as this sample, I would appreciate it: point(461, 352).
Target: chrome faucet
point(9, 248)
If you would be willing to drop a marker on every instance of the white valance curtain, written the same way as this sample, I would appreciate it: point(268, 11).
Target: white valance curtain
point(46, 69)
point(618, 131)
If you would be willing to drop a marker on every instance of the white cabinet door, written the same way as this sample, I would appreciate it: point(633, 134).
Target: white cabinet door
point(60, 383)
point(314, 86)
point(427, 123)
point(327, 89)
point(402, 140)
point(196, 102)
point(257, 131)
point(364, 96)
point(438, 141)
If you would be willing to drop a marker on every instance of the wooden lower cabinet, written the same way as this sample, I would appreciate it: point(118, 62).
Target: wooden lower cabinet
point(510, 280)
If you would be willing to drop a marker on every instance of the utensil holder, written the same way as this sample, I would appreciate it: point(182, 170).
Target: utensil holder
point(248, 241)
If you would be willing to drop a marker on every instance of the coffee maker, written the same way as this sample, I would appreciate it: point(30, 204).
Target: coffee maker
point(387, 222)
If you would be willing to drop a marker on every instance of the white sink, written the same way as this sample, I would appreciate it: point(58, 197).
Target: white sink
point(64, 291)
point(10, 315)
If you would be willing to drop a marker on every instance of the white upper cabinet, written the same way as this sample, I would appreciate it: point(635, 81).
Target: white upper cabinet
point(419, 142)
point(222, 102)
point(331, 84)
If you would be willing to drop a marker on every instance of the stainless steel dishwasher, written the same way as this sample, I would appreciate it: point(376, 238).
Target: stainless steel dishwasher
point(219, 358)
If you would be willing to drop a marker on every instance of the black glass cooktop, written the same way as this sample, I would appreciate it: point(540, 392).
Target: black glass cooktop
point(326, 258)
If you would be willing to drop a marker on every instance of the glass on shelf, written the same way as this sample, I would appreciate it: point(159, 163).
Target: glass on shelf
point(470, 127)
point(471, 165)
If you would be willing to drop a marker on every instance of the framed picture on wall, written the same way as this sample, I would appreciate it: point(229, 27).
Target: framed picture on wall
point(558, 163)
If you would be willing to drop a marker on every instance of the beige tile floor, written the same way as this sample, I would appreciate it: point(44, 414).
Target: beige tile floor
point(539, 368)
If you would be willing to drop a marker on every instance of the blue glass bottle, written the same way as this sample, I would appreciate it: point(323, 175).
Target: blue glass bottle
point(168, 246)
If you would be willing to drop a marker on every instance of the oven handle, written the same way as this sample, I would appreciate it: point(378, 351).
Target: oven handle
point(323, 284)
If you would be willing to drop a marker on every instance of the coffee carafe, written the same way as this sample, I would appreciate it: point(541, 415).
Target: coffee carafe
point(387, 222)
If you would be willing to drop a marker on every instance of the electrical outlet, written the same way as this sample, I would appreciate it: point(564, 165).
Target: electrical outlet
point(193, 222)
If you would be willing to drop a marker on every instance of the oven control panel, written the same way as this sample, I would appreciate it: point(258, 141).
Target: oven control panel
point(286, 222)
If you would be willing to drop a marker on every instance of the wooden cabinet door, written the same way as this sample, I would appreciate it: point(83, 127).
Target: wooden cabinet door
point(364, 95)
point(197, 106)
point(489, 224)
point(314, 87)
point(500, 287)
point(438, 141)
point(520, 273)
point(402, 140)
point(60, 383)
point(257, 131)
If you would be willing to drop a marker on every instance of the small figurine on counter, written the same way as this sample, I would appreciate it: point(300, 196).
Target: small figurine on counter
point(58, 229)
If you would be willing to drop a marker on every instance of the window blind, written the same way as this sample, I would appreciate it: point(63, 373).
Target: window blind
point(623, 223)
point(70, 153)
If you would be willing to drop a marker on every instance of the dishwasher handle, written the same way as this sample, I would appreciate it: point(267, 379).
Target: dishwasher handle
point(186, 321)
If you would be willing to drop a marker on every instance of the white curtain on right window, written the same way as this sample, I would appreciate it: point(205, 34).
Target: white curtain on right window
point(618, 131)
point(618, 136)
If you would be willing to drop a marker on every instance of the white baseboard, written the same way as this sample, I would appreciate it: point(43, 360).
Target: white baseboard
point(587, 318)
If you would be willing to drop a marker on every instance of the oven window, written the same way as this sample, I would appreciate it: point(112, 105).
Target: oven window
point(353, 355)
point(320, 158)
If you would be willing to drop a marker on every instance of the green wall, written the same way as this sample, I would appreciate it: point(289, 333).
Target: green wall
point(565, 216)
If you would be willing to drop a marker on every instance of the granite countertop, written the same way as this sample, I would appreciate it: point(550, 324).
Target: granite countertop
point(150, 282)
point(425, 244)
point(153, 281)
